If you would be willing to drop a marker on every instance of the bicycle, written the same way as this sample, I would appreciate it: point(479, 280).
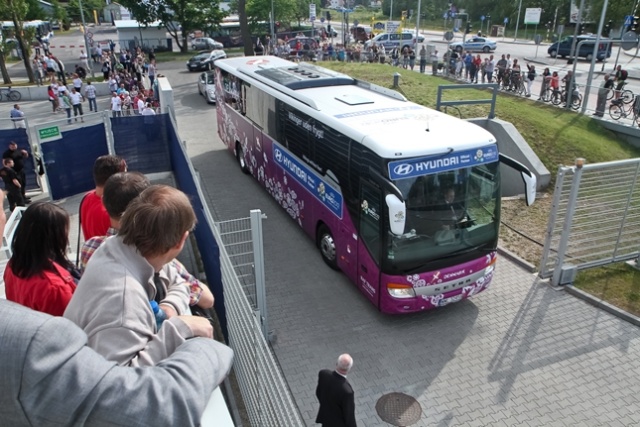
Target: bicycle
point(626, 95)
point(11, 95)
point(617, 111)
point(557, 97)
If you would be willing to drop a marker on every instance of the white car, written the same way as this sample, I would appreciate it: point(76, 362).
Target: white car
point(207, 86)
point(475, 44)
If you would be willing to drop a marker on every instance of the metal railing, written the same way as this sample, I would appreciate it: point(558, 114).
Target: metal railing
point(265, 392)
point(595, 218)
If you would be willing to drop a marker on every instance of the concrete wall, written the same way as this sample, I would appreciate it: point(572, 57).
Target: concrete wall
point(39, 93)
point(630, 134)
point(512, 144)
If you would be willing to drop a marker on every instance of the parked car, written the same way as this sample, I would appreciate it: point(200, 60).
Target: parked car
point(204, 60)
point(205, 43)
point(562, 48)
point(391, 40)
point(207, 87)
point(475, 44)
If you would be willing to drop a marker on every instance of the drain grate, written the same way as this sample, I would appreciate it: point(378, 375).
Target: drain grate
point(399, 409)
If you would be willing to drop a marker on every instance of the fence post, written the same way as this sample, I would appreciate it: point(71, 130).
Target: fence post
point(106, 119)
point(568, 220)
point(258, 266)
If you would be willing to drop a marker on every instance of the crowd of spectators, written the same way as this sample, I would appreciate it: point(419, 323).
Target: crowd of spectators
point(132, 300)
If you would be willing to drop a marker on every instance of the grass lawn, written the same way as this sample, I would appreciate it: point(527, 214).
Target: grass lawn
point(558, 137)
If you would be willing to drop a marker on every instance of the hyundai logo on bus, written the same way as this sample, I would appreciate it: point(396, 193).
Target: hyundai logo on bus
point(312, 182)
point(401, 169)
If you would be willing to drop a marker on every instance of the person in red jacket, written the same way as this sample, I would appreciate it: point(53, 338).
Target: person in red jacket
point(94, 218)
point(39, 275)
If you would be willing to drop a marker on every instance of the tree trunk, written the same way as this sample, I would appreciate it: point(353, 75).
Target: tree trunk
point(185, 42)
point(244, 28)
point(23, 47)
point(3, 68)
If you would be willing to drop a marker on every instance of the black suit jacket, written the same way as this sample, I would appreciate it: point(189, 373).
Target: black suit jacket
point(337, 407)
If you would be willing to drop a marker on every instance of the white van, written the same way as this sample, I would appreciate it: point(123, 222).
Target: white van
point(391, 40)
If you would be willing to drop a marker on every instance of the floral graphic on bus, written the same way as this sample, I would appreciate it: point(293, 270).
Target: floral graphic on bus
point(416, 281)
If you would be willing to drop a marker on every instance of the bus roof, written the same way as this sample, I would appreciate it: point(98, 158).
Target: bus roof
point(379, 118)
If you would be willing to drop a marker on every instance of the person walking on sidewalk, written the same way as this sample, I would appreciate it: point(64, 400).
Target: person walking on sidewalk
point(65, 102)
point(531, 75)
point(17, 117)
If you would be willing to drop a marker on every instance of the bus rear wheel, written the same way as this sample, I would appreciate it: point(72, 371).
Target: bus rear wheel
point(240, 157)
point(327, 247)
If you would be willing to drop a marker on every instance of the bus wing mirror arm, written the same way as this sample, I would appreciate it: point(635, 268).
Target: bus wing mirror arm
point(528, 177)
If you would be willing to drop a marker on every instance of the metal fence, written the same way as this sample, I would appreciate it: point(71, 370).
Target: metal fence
point(264, 390)
point(595, 218)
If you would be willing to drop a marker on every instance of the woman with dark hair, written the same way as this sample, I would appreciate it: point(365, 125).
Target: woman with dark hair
point(38, 274)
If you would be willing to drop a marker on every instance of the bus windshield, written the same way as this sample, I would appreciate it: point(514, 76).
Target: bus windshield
point(447, 214)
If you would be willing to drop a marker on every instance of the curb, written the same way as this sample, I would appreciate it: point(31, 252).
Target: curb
point(603, 305)
point(572, 290)
point(521, 262)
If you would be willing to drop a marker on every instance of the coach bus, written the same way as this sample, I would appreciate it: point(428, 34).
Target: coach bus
point(403, 199)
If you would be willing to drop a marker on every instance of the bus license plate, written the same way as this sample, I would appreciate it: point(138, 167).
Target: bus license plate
point(445, 301)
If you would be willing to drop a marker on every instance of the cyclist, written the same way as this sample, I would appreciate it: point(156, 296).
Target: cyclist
point(621, 78)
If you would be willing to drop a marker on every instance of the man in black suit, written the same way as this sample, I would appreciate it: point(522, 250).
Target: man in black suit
point(337, 407)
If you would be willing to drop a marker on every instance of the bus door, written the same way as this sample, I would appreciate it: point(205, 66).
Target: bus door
point(370, 241)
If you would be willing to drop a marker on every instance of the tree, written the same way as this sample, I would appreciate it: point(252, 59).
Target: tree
point(73, 9)
point(35, 11)
point(179, 17)
point(16, 11)
point(3, 65)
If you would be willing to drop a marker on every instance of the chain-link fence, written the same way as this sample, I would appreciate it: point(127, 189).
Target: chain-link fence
point(264, 390)
point(595, 218)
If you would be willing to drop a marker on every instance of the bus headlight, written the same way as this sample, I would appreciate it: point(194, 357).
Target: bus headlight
point(398, 290)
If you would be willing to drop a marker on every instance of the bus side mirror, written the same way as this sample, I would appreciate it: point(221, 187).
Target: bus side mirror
point(528, 178)
point(397, 214)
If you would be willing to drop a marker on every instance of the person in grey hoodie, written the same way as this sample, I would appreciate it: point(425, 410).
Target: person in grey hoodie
point(112, 302)
point(49, 377)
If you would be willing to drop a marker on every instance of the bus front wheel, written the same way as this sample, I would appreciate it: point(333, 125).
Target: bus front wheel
point(240, 157)
point(327, 247)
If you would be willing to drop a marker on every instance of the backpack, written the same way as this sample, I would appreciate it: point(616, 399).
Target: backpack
point(623, 75)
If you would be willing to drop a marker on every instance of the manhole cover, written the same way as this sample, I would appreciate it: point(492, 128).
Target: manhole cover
point(398, 409)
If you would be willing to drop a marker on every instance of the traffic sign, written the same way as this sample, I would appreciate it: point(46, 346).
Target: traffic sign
point(482, 18)
point(629, 40)
point(322, 19)
point(445, 15)
point(448, 36)
point(506, 20)
point(628, 20)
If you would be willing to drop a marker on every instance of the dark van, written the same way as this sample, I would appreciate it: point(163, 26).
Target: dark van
point(563, 47)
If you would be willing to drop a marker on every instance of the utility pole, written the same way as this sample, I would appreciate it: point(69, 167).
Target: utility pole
point(86, 40)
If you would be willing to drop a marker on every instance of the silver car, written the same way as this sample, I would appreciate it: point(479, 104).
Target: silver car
point(205, 43)
point(207, 86)
point(475, 44)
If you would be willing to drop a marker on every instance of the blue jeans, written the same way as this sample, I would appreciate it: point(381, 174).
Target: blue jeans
point(68, 110)
point(93, 105)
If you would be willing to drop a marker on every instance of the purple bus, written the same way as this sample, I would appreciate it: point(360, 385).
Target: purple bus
point(403, 199)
